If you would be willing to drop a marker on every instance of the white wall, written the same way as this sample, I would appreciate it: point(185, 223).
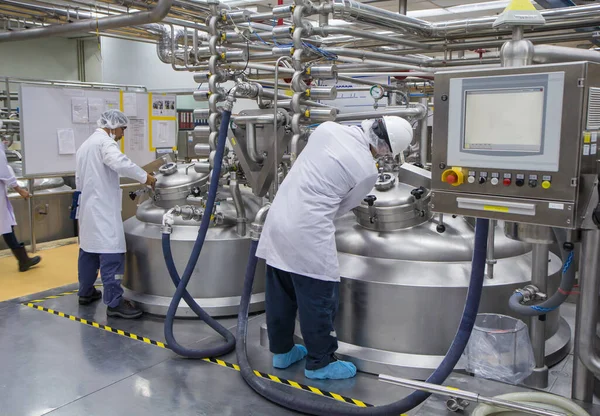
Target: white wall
point(93, 61)
point(50, 58)
point(127, 62)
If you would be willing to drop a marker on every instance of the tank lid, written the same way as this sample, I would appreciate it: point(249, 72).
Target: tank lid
point(175, 182)
point(393, 205)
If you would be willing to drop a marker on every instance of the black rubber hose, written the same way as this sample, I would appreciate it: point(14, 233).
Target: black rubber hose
point(182, 283)
point(567, 282)
point(302, 404)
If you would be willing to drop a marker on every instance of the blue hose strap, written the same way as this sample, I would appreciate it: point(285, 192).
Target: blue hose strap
point(540, 309)
point(568, 262)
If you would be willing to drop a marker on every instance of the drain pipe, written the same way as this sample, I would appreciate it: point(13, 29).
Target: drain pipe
point(240, 210)
point(158, 13)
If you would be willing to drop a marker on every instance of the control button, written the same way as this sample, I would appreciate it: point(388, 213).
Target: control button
point(453, 176)
point(494, 181)
point(471, 179)
point(533, 183)
point(546, 184)
point(506, 181)
point(482, 180)
point(520, 182)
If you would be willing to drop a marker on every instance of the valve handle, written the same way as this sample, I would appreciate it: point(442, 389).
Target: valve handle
point(370, 200)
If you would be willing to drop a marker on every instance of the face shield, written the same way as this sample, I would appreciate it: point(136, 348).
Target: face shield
point(375, 131)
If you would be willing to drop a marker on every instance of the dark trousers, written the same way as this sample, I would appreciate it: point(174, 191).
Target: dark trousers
point(316, 302)
point(111, 266)
point(11, 240)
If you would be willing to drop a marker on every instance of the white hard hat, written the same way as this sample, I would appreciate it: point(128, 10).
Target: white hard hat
point(400, 133)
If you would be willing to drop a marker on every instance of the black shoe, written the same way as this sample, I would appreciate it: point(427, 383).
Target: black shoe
point(25, 262)
point(86, 300)
point(125, 310)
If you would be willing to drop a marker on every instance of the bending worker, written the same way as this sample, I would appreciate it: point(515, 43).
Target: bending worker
point(332, 175)
point(101, 235)
point(7, 215)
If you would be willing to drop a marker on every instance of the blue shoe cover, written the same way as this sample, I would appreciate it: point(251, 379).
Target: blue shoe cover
point(337, 370)
point(297, 353)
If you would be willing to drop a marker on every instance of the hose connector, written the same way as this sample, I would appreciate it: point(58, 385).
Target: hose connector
point(259, 221)
point(531, 292)
point(168, 221)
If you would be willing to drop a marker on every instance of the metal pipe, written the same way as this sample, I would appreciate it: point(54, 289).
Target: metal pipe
point(336, 30)
point(467, 395)
point(490, 256)
point(159, 12)
point(275, 138)
point(403, 7)
point(31, 216)
point(587, 315)
point(240, 210)
point(424, 134)
point(537, 327)
point(417, 111)
point(378, 56)
point(545, 54)
point(257, 119)
point(251, 143)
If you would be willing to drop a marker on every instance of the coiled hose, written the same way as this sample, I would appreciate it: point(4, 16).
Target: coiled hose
point(566, 283)
point(291, 401)
point(542, 400)
point(182, 283)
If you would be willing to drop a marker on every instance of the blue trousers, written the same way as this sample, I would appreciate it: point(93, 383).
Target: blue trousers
point(316, 302)
point(111, 266)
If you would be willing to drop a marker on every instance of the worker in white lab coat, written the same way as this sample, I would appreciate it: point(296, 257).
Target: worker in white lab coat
point(100, 163)
point(7, 216)
point(333, 174)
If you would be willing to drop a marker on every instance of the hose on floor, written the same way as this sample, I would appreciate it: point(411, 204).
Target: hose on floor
point(541, 400)
point(312, 407)
point(566, 282)
point(181, 283)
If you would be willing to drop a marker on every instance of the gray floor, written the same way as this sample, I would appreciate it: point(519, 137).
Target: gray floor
point(54, 366)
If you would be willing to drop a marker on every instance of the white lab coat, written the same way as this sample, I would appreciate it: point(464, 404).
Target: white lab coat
point(332, 175)
point(7, 180)
point(99, 165)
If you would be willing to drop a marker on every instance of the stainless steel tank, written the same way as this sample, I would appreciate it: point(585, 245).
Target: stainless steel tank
point(50, 206)
point(404, 280)
point(218, 278)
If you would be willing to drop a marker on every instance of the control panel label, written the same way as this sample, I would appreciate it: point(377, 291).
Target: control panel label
point(533, 177)
point(554, 205)
point(495, 174)
point(520, 176)
point(586, 149)
point(507, 176)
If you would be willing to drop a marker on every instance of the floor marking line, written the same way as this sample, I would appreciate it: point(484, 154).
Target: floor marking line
point(220, 363)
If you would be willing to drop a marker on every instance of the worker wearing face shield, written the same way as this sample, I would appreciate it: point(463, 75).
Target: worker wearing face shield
point(100, 163)
point(332, 175)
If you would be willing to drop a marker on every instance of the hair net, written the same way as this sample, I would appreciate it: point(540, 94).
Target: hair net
point(380, 146)
point(112, 119)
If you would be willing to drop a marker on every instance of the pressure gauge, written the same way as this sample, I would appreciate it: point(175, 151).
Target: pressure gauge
point(377, 92)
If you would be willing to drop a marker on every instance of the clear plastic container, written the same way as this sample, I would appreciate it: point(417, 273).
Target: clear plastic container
point(500, 349)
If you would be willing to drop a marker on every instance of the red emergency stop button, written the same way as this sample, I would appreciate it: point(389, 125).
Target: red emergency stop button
point(451, 178)
point(506, 181)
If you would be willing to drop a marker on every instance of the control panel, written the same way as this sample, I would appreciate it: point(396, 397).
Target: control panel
point(517, 144)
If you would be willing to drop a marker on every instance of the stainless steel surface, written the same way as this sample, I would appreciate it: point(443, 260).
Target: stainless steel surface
point(490, 259)
point(424, 149)
point(402, 266)
point(517, 53)
point(568, 186)
point(47, 210)
point(537, 327)
point(546, 54)
point(587, 316)
point(217, 280)
point(417, 111)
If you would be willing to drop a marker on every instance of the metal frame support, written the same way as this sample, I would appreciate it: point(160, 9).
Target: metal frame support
point(537, 327)
point(586, 360)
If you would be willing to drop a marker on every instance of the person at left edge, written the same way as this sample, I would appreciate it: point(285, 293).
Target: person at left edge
point(100, 163)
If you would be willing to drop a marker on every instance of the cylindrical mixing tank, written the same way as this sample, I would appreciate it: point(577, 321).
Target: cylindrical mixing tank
point(217, 280)
point(404, 283)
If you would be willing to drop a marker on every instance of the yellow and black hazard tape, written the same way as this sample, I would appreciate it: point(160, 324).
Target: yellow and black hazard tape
point(291, 383)
point(58, 295)
point(96, 325)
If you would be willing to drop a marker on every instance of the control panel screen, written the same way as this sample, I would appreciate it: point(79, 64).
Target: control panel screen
point(504, 120)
